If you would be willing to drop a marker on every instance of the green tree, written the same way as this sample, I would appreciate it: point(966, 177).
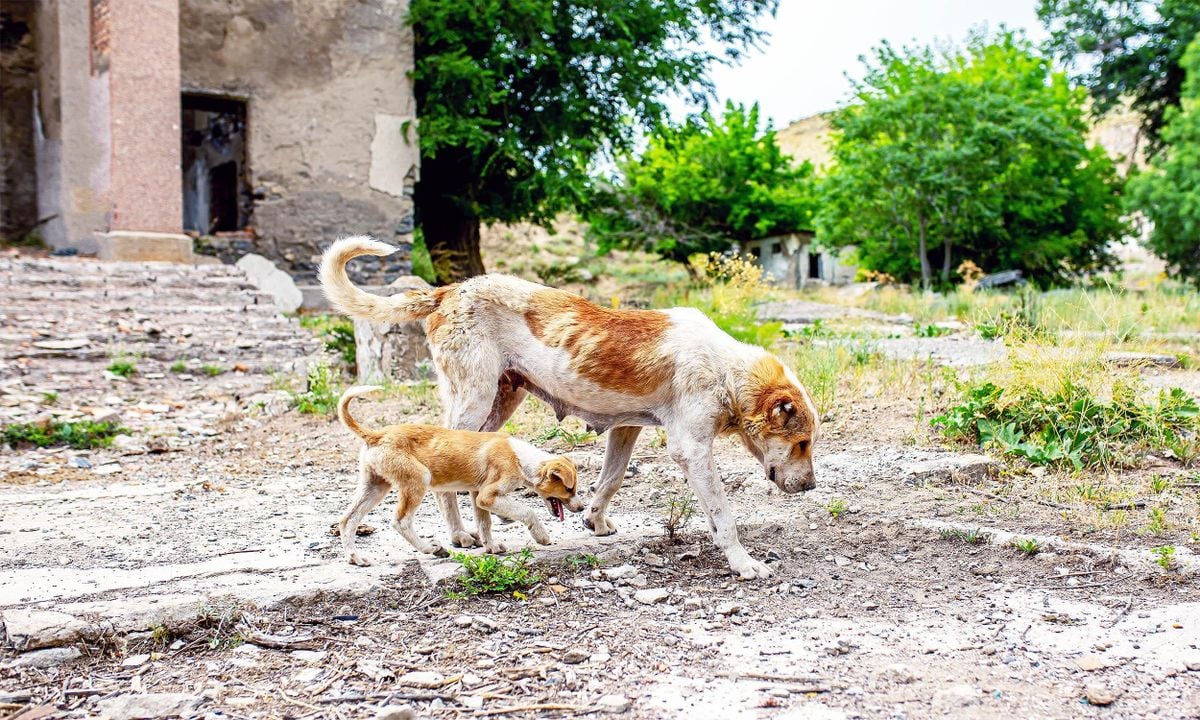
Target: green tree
point(517, 97)
point(1125, 51)
point(976, 155)
point(701, 185)
point(1169, 192)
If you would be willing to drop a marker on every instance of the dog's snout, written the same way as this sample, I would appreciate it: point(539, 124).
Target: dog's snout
point(575, 504)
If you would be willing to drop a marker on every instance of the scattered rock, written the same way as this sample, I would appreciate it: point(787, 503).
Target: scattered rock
point(484, 624)
point(652, 596)
point(273, 281)
point(463, 620)
point(395, 712)
point(1192, 664)
point(152, 705)
point(49, 657)
point(1090, 662)
point(33, 629)
point(620, 572)
point(729, 608)
point(68, 344)
point(307, 676)
point(987, 569)
point(422, 679)
point(136, 660)
point(1100, 695)
point(575, 655)
point(655, 560)
point(613, 704)
point(842, 561)
point(312, 656)
point(899, 673)
point(80, 462)
point(959, 695)
point(970, 469)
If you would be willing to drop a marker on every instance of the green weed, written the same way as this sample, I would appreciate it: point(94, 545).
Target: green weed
point(336, 332)
point(321, 392)
point(1159, 484)
point(1029, 546)
point(1157, 524)
point(1165, 557)
point(578, 561)
point(837, 507)
point(81, 435)
point(122, 368)
point(974, 536)
point(681, 506)
point(212, 370)
point(485, 574)
point(49, 397)
point(179, 366)
point(565, 436)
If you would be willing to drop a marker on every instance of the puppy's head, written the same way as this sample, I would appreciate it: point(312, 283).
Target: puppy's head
point(779, 425)
point(556, 480)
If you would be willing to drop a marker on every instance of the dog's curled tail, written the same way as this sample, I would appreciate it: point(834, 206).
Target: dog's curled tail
point(343, 411)
point(357, 303)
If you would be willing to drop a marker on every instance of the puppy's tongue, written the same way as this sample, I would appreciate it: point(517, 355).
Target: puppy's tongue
point(558, 509)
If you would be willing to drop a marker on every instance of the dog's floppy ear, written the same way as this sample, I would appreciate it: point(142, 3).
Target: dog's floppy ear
point(783, 411)
point(565, 477)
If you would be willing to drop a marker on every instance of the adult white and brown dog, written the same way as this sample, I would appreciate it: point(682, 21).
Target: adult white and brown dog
point(495, 337)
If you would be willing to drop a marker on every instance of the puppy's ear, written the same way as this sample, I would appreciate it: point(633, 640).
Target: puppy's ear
point(564, 476)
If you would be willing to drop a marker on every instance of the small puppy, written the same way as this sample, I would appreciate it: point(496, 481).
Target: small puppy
point(416, 459)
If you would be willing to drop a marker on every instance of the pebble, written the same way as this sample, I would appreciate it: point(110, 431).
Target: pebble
point(471, 702)
point(484, 624)
point(463, 620)
point(841, 561)
point(655, 560)
point(81, 462)
point(729, 608)
point(307, 676)
point(1192, 664)
point(395, 712)
point(620, 572)
point(652, 596)
point(108, 469)
point(311, 656)
point(135, 660)
point(613, 704)
point(46, 658)
point(1090, 662)
point(1099, 695)
point(422, 679)
point(576, 655)
point(149, 705)
point(899, 673)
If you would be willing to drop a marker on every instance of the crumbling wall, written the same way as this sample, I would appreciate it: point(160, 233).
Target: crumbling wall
point(328, 98)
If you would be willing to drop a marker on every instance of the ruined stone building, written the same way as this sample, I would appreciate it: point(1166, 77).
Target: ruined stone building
point(153, 128)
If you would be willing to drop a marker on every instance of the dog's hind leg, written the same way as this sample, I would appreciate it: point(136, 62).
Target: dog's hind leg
point(463, 412)
point(412, 490)
point(616, 459)
point(372, 489)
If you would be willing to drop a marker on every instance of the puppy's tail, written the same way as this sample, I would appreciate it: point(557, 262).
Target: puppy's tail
point(357, 303)
point(343, 411)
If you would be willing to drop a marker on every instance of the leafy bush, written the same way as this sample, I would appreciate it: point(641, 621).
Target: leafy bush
point(494, 574)
point(122, 368)
point(735, 286)
point(1068, 422)
point(321, 392)
point(81, 435)
point(681, 506)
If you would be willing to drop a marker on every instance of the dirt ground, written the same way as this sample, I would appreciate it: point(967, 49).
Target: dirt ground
point(199, 575)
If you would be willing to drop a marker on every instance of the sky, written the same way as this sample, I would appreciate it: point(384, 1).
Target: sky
point(800, 70)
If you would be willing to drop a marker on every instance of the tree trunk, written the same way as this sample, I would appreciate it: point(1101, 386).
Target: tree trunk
point(450, 229)
point(946, 262)
point(923, 251)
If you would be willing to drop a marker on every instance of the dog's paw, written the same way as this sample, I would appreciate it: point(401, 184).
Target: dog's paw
point(359, 560)
point(439, 551)
point(464, 539)
point(751, 569)
point(495, 548)
point(539, 534)
point(600, 525)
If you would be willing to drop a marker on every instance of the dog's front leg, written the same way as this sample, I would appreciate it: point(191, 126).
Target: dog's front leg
point(459, 536)
point(616, 459)
point(694, 456)
point(483, 524)
point(504, 507)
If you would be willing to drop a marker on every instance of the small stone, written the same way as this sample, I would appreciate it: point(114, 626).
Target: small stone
point(806, 583)
point(620, 572)
point(463, 620)
point(1192, 664)
point(80, 462)
point(484, 624)
point(135, 660)
point(959, 695)
point(108, 469)
point(729, 608)
point(841, 561)
point(422, 679)
point(899, 673)
point(693, 603)
point(471, 702)
point(46, 658)
point(613, 704)
point(652, 596)
point(575, 655)
point(470, 680)
point(1099, 695)
point(307, 676)
point(1089, 663)
point(655, 560)
point(150, 705)
point(870, 606)
point(395, 712)
point(311, 656)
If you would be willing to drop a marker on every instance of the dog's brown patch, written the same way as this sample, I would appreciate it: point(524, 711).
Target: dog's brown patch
point(616, 349)
point(773, 405)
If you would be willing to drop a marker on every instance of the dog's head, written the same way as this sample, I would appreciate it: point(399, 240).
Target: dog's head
point(779, 425)
point(556, 480)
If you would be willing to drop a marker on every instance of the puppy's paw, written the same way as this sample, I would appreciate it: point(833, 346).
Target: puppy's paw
point(358, 559)
point(599, 524)
point(439, 551)
point(495, 548)
point(539, 534)
point(464, 539)
point(751, 569)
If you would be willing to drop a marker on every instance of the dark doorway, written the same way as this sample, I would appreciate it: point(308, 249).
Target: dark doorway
point(215, 187)
point(814, 264)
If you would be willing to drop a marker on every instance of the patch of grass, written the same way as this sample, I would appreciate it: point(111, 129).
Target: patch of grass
point(974, 536)
point(565, 436)
point(681, 506)
point(1029, 546)
point(1051, 406)
point(49, 397)
point(321, 391)
point(492, 574)
point(837, 508)
point(211, 370)
point(336, 332)
point(1160, 484)
point(582, 560)
point(1157, 524)
point(218, 623)
point(122, 368)
point(732, 290)
point(179, 366)
point(1165, 557)
point(930, 331)
point(160, 634)
point(81, 435)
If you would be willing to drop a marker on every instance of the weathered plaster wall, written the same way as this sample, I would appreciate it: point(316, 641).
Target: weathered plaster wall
point(326, 83)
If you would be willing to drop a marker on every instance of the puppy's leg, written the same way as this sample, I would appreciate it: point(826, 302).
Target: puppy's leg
point(412, 481)
point(694, 456)
point(372, 489)
point(616, 459)
point(465, 410)
point(483, 523)
point(489, 500)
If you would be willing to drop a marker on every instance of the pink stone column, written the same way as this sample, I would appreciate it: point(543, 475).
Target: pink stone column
point(146, 188)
